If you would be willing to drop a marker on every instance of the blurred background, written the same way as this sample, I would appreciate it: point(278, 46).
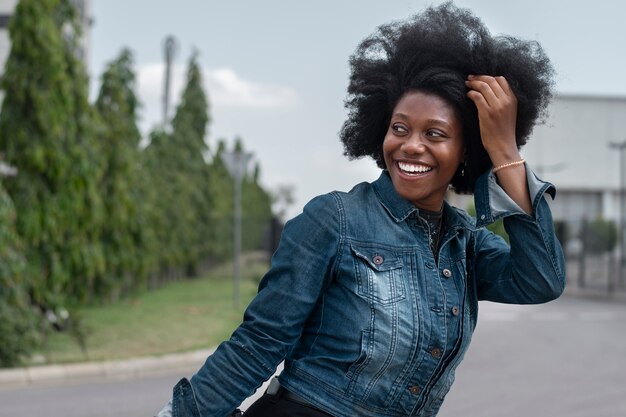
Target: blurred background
point(151, 150)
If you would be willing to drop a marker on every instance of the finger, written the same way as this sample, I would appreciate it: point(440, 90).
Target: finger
point(504, 85)
point(484, 89)
point(479, 101)
point(498, 85)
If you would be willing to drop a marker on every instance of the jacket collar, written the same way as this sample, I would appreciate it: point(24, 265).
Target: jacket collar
point(399, 208)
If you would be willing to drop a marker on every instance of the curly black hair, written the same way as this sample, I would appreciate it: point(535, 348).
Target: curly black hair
point(434, 52)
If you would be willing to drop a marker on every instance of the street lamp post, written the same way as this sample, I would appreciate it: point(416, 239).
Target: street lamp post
point(170, 47)
point(236, 163)
point(621, 146)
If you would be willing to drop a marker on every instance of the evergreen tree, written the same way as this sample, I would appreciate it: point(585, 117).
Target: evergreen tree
point(189, 130)
point(221, 189)
point(124, 232)
point(180, 173)
point(161, 205)
point(46, 131)
point(17, 320)
point(255, 204)
point(257, 212)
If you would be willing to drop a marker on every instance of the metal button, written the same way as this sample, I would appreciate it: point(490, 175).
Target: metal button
point(378, 259)
point(415, 389)
point(455, 311)
point(447, 273)
point(436, 352)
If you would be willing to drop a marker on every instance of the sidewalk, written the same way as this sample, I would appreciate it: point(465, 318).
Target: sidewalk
point(118, 368)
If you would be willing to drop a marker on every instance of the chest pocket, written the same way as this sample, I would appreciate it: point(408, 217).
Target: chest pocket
point(379, 274)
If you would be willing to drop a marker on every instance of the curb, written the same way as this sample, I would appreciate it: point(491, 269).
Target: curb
point(116, 368)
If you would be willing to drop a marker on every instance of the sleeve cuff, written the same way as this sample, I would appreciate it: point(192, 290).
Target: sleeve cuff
point(166, 411)
point(493, 203)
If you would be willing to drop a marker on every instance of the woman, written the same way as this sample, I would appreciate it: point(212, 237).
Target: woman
point(372, 296)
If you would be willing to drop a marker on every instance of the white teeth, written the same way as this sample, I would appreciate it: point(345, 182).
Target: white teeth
point(412, 168)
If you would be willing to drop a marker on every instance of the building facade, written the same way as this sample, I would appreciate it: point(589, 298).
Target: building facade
point(577, 150)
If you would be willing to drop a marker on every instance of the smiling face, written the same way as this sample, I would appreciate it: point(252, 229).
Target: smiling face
point(423, 148)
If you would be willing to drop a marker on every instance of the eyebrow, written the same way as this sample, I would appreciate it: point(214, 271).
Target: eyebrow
point(431, 121)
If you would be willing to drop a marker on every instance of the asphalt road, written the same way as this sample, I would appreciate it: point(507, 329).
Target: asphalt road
point(566, 358)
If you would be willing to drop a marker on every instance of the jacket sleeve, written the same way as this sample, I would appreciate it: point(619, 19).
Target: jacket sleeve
point(532, 269)
point(300, 270)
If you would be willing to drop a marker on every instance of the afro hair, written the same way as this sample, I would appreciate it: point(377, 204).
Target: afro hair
point(434, 52)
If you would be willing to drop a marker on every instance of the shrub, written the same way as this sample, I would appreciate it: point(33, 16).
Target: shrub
point(599, 236)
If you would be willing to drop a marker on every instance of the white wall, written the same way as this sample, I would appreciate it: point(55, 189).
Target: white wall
point(572, 149)
point(6, 8)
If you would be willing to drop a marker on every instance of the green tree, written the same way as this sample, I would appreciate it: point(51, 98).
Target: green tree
point(160, 206)
point(124, 233)
point(46, 131)
point(221, 189)
point(189, 130)
point(257, 212)
point(176, 162)
point(256, 205)
point(18, 333)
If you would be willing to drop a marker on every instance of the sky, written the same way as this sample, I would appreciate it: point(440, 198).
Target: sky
point(276, 72)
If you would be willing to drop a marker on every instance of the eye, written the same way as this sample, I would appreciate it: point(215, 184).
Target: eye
point(399, 129)
point(435, 133)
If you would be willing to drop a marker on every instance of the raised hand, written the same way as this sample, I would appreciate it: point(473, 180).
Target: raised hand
point(497, 114)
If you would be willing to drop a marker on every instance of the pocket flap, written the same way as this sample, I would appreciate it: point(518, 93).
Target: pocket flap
point(377, 258)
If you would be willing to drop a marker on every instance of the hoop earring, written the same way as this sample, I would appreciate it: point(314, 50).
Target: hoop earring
point(463, 166)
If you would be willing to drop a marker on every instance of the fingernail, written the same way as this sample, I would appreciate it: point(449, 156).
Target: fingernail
point(470, 77)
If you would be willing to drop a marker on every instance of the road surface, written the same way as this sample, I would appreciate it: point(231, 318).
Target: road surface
point(566, 358)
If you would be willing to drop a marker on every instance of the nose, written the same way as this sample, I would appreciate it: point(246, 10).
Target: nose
point(414, 145)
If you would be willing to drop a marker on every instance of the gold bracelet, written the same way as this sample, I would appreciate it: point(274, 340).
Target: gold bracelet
point(510, 164)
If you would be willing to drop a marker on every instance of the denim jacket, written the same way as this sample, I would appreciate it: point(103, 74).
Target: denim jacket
point(367, 322)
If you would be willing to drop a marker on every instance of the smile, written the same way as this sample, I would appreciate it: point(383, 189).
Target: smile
point(413, 169)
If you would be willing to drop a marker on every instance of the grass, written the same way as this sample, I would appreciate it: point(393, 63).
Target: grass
point(181, 316)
